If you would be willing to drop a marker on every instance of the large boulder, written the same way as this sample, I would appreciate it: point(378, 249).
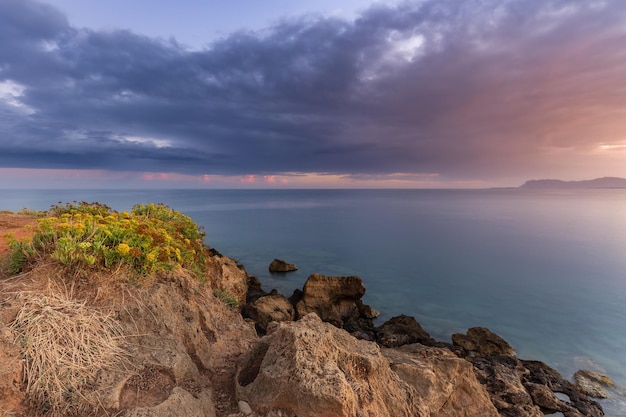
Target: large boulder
point(336, 300)
point(445, 383)
point(278, 265)
point(482, 342)
point(312, 369)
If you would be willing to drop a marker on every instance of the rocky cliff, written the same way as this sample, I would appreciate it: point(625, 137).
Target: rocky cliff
point(179, 346)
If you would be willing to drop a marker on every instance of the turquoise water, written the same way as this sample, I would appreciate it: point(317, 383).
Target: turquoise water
point(545, 270)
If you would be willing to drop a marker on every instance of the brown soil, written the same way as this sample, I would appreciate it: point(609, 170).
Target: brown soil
point(18, 225)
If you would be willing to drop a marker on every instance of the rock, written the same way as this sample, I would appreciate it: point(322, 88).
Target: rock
point(445, 384)
point(366, 311)
point(269, 308)
point(278, 265)
point(179, 403)
point(244, 408)
point(543, 397)
point(592, 383)
point(502, 376)
point(254, 289)
point(311, 369)
point(579, 404)
point(180, 334)
point(333, 299)
point(229, 277)
point(520, 388)
point(402, 330)
point(483, 342)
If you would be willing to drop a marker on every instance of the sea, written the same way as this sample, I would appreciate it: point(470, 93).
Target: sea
point(544, 269)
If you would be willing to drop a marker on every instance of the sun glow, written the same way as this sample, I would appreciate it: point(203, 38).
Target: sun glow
point(612, 147)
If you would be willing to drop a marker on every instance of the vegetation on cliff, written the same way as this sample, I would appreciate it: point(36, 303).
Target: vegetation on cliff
point(148, 239)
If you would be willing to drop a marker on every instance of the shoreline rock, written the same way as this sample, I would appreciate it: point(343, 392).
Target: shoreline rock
point(514, 387)
point(278, 265)
point(592, 383)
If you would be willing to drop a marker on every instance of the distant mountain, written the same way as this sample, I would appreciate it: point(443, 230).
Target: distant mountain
point(606, 182)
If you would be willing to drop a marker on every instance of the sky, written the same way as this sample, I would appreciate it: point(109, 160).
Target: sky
point(303, 94)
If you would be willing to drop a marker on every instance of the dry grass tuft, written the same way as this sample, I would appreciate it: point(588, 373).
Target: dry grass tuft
point(65, 344)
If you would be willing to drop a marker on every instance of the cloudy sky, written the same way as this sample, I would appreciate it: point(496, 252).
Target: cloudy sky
point(283, 93)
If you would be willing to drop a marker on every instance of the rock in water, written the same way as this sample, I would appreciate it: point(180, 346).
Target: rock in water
point(278, 265)
point(592, 383)
point(333, 299)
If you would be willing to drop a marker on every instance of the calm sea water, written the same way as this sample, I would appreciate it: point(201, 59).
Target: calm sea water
point(545, 270)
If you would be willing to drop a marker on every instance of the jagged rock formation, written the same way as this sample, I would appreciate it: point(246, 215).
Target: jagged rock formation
point(337, 300)
point(310, 368)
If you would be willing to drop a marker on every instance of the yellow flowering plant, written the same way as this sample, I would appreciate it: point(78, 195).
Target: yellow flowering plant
point(148, 239)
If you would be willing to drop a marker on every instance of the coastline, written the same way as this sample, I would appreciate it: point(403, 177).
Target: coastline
point(340, 304)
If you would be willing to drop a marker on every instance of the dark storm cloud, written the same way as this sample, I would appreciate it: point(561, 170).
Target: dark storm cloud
point(468, 88)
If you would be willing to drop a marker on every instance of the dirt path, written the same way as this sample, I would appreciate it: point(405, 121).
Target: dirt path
point(18, 225)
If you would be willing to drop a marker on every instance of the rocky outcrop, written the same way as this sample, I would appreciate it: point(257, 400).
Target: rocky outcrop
point(520, 388)
point(181, 346)
point(278, 265)
point(269, 308)
point(482, 342)
point(185, 340)
point(310, 368)
point(402, 330)
point(445, 383)
point(228, 277)
point(337, 300)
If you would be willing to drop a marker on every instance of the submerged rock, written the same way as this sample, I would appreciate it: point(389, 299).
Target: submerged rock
point(593, 383)
point(278, 265)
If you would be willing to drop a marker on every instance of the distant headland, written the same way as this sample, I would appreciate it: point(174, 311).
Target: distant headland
point(605, 182)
